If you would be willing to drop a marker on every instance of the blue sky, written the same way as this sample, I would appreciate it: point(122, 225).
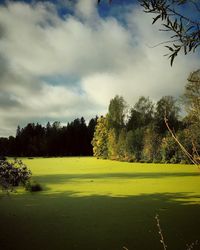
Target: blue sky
point(60, 61)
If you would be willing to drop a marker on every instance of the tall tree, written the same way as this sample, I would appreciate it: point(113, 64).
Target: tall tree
point(116, 113)
point(91, 128)
point(166, 107)
point(100, 140)
point(51, 140)
point(192, 97)
point(146, 109)
point(191, 100)
point(134, 120)
point(169, 150)
point(137, 143)
point(151, 145)
point(122, 146)
point(112, 144)
point(142, 114)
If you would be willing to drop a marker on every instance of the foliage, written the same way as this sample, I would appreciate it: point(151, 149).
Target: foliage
point(13, 174)
point(140, 135)
point(185, 28)
point(166, 107)
point(145, 107)
point(33, 186)
point(192, 97)
point(116, 113)
point(151, 145)
point(184, 136)
point(51, 140)
point(100, 139)
point(122, 146)
point(112, 144)
point(134, 120)
point(137, 143)
point(144, 136)
point(191, 100)
point(130, 147)
point(169, 150)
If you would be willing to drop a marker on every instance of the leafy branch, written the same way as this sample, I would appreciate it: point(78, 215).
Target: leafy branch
point(186, 31)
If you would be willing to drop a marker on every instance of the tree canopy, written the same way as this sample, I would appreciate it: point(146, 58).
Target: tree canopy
point(144, 136)
point(74, 139)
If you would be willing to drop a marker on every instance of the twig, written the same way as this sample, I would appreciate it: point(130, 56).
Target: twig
point(195, 149)
point(160, 232)
point(161, 43)
point(181, 146)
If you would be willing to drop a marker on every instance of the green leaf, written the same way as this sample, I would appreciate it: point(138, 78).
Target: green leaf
point(156, 18)
point(170, 48)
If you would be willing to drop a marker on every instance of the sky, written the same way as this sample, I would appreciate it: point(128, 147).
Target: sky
point(65, 59)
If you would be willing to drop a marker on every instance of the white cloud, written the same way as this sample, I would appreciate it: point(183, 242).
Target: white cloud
point(105, 56)
point(86, 9)
point(144, 71)
point(41, 43)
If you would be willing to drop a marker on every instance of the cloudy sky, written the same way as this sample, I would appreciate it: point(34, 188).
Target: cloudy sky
point(60, 61)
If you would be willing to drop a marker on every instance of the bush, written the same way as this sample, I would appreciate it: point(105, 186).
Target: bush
point(2, 158)
point(13, 174)
point(33, 186)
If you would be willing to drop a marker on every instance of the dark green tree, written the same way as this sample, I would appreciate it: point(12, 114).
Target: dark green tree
point(137, 143)
point(191, 97)
point(142, 114)
point(166, 107)
point(191, 100)
point(146, 109)
point(151, 145)
point(170, 151)
point(122, 147)
point(91, 128)
point(116, 113)
point(134, 120)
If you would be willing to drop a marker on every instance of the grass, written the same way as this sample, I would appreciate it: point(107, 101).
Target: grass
point(100, 204)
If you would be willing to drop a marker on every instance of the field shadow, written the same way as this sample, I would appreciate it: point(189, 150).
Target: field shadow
point(67, 221)
point(63, 178)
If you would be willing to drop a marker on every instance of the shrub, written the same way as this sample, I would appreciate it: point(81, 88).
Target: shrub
point(33, 186)
point(13, 174)
point(2, 158)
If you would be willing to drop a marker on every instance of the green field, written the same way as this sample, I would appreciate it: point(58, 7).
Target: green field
point(102, 205)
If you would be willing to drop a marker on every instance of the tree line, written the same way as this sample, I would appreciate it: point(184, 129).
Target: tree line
point(141, 134)
point(51, 140)
point(135, 134)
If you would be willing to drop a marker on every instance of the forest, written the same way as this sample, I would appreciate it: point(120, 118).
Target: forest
point(141, 134)
point(105, 149)
point(136, 134)
point(51, 140)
